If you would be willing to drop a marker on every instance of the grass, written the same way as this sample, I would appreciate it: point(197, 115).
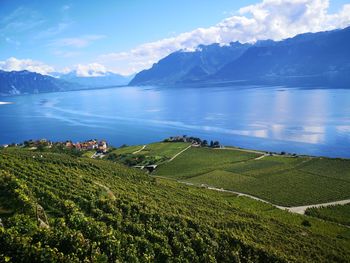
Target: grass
point(88, 154)
point(166, 149)
point(336, 213)
point(281, 180)
point(127, 149)
point(197, 161)
point(125, 214)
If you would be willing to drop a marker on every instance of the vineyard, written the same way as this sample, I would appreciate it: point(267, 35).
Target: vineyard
point(64, 208)
point(282, 180)
point(337, 213)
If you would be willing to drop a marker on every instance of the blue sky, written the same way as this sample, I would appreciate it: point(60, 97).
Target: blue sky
point(127, 36)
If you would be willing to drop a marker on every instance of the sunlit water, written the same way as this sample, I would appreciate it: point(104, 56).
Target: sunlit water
point(315, 122)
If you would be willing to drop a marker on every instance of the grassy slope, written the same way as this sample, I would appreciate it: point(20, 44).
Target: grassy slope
point(164, 149)
point(197, 161)
point(281, 180)
point(154, 149)
point(337, 213)
point(98, 209)
point(128, 149)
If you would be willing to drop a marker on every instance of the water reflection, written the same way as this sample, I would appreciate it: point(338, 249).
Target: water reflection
point(307, 121)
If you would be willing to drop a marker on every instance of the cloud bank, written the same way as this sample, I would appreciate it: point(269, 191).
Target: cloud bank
point(14, 64)
point(270, 19)
point(90, 70)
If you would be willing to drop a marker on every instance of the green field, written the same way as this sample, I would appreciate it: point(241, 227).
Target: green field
point(150, 154)
point(127, 149)
point(196, 161)
point(101, 211)
point(282, 180)
point(165, 149)
point(337, 213)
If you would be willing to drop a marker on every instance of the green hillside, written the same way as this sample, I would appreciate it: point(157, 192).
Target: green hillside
point(280, 179)
point(60, 208)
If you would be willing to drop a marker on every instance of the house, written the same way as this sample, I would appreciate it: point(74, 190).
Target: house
point(102, 146)
point(69, 144)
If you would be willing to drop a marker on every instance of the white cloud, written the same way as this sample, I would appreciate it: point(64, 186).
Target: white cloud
point(270, 19)
point(14, 64)
point(20, 20)
point(90, 70)
point(81, 70)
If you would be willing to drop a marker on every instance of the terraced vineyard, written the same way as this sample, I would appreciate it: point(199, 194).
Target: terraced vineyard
point(281, 180)
point(197, 161)
point(150, 154)
point(337, 213)
point(154, 149)
point(60, 208)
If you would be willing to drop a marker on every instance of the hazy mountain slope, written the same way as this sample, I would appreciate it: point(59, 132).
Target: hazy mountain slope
point(308, 59)
point(108, 79)
point(184, 66)
point(25, 82)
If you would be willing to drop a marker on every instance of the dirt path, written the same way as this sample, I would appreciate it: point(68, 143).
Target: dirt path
point(142, 148)
point(176, 155)
point(260, 157)
point(302, 209)
point(294, 209)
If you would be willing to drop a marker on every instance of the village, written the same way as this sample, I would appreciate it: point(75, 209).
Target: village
point(101, 147)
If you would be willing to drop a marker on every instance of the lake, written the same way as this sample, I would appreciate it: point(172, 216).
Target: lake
point(304, 121)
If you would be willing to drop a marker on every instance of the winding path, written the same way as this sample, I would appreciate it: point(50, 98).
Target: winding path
point(176, 155)
point(143, 147)
point(302, 209)
point(293, 209)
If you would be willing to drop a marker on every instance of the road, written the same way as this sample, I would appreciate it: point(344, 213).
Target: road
point(302, 209)
point(142, 148)
point(294, 209)
point(176, 155)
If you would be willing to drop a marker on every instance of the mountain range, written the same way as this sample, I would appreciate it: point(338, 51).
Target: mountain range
point(311, 59)
point(26, 82)
point(105, 80)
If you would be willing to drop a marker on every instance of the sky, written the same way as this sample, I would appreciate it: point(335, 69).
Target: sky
point(126, 36)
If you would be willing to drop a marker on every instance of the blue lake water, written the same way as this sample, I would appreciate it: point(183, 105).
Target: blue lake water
point(314, 121)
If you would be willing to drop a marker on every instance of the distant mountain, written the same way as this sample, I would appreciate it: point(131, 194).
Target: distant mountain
point(25, 82)
point(107, 80)
point(308, 59)
point(183, 66)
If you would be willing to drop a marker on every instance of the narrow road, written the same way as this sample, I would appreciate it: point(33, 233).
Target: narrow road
point(142, 148)
point(260, 157)
point(302, 209)
point(294, 209)
point(176, 155)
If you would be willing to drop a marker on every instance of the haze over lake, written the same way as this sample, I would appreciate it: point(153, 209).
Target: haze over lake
point(305, 121)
